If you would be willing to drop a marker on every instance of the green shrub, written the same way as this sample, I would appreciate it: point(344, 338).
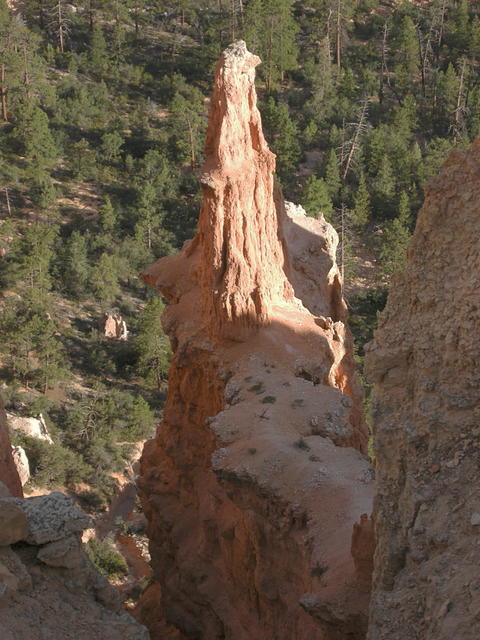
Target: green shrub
point(106, 558)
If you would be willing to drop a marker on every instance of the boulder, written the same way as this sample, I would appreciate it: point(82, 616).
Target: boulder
point(4, 491)
point(11, 560)
point(113, 326)
point(8, 583)
point(32, 427)
point(13, 522)
point(52, 517)
point(21, 463)
point(65, 553)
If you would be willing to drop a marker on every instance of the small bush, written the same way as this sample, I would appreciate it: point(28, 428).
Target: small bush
point(269, 400)
point(301, 444)
point(257, 388)
point(106, 558)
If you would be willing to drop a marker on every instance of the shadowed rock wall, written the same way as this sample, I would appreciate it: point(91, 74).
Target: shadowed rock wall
point(425, 364)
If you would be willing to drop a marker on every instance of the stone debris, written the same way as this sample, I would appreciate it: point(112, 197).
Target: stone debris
point(49, 590)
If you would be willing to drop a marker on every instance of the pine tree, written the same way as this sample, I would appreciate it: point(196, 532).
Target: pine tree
point(76, 267)
point(285, 144)
point(407, 55)
point(111, 147)
point(332, 175)
point(474, 47)
point(104, 279)
point(39, 146)
point(30, 260)
point(385, 180)
point(108, 218)
point(152, 344)
point(270, 31)
point(396, 238)
point(316, 199)
point(362, 207)
point(461, 29)
point(98, 55)
point(188, 125)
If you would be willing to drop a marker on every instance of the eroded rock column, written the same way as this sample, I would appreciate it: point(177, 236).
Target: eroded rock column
point(257, 473)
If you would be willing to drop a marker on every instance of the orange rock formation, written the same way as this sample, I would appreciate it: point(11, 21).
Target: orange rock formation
point(8, 471)
point(257, 474)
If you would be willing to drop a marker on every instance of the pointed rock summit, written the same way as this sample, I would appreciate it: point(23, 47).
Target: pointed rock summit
point(257, 474)
point(238, 229)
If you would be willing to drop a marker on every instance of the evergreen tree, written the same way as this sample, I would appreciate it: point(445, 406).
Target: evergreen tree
point(30, 260)
point(76, 269)
point(82, 160)
point(362, 207)
point(474, 46)
point(152, 344)
point(39, 146)
point(104, 279)
point(270, 31)
point(385, 181)
point(285, 144)
point(111, 147)
point(98, 55)
point(108, 218)
point(332, 176)
point(396, 238)
point(188, 125)
point(407, 55)
point(316, 199)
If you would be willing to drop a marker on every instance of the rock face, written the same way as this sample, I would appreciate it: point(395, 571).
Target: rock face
point(8, 471)
point(424, 362)
point(22, 464)
point(257, 474)
point(33, 427)
point(48, 588)
point(114, 326)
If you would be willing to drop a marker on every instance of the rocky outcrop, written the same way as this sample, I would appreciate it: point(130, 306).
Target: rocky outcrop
point(113, 326)
point(32, 427)
point(48, 588)
point(424, 362)
point(257, 474)
point(21, 464)
point(8, 471)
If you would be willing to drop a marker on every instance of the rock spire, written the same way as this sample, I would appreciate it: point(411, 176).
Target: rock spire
point(257, 474)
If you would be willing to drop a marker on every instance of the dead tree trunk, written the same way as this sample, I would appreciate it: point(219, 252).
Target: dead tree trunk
point(3, 89)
